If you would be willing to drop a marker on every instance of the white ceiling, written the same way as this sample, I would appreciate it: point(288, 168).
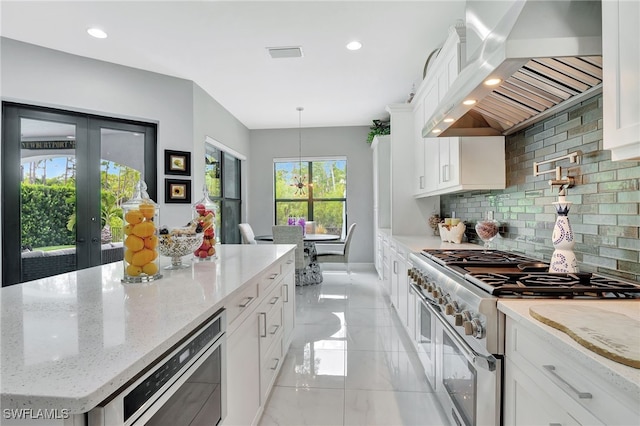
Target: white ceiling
point(222, 47)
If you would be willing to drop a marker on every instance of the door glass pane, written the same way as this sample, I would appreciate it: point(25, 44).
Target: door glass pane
point(48, 198)
point(212, 171)
point(231, 177)
point(231, 214)
point(121, 166)
point(330, 217)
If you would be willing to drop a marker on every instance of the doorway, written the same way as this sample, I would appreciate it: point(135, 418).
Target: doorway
point(64, 176)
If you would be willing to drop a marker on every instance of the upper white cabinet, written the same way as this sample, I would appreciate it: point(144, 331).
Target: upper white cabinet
point(621, 78)
point(451, 164)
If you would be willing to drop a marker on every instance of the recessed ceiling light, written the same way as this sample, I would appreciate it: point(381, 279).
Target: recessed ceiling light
point(436, 131)
point(97, 33)
point(492, 81)
point(448, 120)
point(354, 45)
point(469, 102)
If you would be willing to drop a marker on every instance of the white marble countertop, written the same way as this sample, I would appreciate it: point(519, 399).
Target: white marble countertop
point(71, 340)
point(620, 375)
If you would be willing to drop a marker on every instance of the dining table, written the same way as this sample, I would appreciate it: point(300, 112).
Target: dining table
point(312, 274)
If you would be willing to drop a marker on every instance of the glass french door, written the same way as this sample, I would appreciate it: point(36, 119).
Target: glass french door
point(64, 176)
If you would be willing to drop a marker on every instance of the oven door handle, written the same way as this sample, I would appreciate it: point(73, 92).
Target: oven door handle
point(487, 362)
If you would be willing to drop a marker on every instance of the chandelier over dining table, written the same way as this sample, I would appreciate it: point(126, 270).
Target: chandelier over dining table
point(300, 181)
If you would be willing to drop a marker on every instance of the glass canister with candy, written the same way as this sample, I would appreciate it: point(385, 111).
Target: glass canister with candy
point(204, 211)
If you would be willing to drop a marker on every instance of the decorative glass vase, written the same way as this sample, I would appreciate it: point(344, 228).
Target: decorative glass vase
point(563, 258)
point(487, 230)
point(141, 217)
point(204, 211)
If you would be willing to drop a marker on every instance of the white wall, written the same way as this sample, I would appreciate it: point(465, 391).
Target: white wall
point(331, 141)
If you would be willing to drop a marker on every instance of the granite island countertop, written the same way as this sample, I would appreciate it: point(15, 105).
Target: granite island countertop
point(623, 377)
point(71, 340)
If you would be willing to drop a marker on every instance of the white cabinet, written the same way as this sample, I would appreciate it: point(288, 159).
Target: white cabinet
point(243, 374)
point(260, 328)
point(452, 164)
point(564, 391)
point(400, 289)
point(621, 78)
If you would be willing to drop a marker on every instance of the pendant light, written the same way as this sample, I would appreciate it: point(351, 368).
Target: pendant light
point(299, 182)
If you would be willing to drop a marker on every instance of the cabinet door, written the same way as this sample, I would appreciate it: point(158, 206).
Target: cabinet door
point(403, 289)
point(243, 373)
point(527, 404)
point(621, 86)
point(288, 308)
point(418, 150)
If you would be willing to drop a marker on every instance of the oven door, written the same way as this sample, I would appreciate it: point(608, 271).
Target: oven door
point(425, 336)
point(467, 383)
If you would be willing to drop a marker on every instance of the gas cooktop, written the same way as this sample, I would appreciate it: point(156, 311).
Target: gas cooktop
point(506, 274)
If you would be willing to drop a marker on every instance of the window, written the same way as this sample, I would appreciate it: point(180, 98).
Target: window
point(222, 177)
point(322, 199)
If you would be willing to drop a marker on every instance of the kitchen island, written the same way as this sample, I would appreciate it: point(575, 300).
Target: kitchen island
point(70, 341)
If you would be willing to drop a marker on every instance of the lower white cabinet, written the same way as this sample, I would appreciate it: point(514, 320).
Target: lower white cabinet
point(545, 386)
point(257, 341)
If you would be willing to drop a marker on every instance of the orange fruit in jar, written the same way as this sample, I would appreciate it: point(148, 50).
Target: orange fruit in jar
point(133, 270)
point(150, 269)
point(151, 242)
point(144, 229)
point(147, 210)
point(134, 243)
point(142, 257)
point(128, 229)
point(128, 255)
point(134, 217)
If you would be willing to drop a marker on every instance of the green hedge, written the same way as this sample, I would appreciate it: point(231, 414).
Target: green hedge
point(45, 212)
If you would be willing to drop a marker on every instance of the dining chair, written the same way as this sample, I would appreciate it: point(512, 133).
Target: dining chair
point(337, 253)
point(285, 234)
point(248, 237)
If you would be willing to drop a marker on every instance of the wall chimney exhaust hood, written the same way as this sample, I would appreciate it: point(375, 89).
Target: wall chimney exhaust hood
point(541, 56)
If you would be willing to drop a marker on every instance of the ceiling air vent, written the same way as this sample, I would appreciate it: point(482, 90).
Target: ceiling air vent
point(285, 52)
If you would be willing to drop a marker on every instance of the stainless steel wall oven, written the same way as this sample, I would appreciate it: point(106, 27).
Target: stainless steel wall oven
point(184, 387)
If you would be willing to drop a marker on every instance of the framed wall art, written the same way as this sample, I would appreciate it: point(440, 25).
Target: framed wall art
point(177, 163)
point(177, 191)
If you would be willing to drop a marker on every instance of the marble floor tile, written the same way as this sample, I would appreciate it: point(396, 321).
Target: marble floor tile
point(308, 367)
point(304, 406)
point(399, 371)
point(350, 361)
point(384, 408)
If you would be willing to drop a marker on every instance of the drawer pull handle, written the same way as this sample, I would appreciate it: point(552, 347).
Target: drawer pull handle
point(273, 276)
point(247, 303)
point(274, 300)
point(264, 322)
point(289, 262)
point(552, 370)
point(275, 367)
point(274, 330)
point(286, 292)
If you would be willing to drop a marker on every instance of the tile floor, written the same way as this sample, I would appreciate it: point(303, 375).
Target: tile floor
point(351, 362)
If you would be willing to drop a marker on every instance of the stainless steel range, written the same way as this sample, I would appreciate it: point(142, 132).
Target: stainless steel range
point(461, 331)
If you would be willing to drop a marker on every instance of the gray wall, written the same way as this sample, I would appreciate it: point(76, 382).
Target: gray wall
point(316, 142)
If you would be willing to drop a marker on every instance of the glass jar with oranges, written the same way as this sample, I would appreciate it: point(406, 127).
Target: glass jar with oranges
point(141, 218)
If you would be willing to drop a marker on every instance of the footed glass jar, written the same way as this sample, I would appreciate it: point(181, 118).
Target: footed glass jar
point(204, 211)
point(141, 218)
point(487, 230)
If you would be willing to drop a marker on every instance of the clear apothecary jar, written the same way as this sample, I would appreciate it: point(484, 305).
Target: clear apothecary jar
point(141, 217)
point(204, 211)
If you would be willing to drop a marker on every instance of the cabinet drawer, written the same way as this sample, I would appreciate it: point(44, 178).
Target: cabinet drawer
point(270, 365)
point(270, 320)
point(242, 303)
point(566, 380)
point(270, 278)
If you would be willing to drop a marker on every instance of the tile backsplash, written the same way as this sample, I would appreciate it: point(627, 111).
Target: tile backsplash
point(606, 197)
